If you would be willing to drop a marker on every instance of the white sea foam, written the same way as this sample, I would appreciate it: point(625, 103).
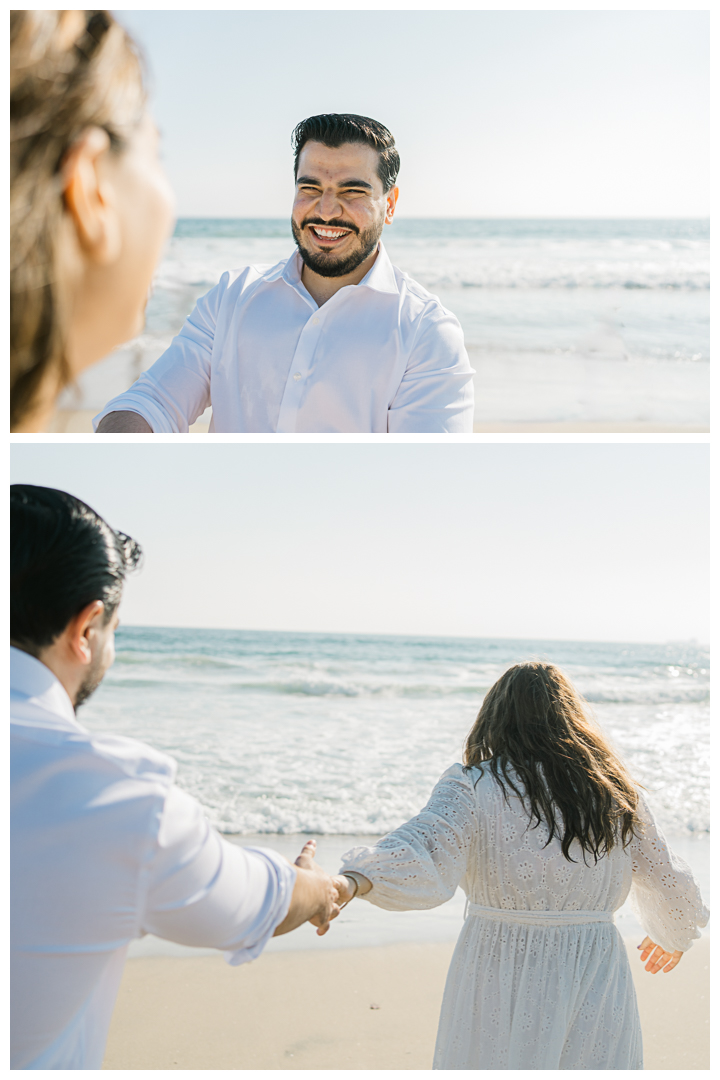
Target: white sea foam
point(325, 734)
point(475, 263)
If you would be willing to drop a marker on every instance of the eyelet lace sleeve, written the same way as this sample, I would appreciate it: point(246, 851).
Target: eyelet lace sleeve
point(664, 894)
point(421, 864)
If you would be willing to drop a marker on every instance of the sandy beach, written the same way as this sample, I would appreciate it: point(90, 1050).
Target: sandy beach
point(591, 391)
point(587, 392)
point(79, 421)
point(365, 1008)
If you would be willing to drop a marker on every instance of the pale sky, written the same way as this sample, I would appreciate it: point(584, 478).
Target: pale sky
point(495, 113)
point(595, 542)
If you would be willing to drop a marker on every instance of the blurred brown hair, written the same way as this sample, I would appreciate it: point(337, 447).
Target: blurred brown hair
point(534, 733)
point(68, 71)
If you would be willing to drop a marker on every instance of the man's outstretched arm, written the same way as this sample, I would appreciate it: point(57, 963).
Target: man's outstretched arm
point(203, 890)
point(124, 422)
point(169, 396)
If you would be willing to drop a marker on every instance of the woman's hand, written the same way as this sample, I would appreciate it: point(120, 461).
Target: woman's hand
point(660, 958)
point(346, 887)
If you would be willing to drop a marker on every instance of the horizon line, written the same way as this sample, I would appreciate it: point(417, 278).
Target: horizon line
point(450, 637)
point(464, 217)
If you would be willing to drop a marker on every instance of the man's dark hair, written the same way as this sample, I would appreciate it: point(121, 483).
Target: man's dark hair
point(336, 129)
point(62, 557)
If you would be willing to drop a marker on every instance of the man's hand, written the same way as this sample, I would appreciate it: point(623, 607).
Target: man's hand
point(659, 959)
point(329, 908)
point(314, 898)
point(130, 423)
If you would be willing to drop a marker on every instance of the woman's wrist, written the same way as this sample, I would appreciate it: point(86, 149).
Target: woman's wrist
point(354, 881)
point(362, 884)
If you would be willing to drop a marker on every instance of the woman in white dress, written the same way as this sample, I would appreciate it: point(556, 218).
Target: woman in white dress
point(546, 833)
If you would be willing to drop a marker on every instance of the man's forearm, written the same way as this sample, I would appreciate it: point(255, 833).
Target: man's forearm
point(123, 422)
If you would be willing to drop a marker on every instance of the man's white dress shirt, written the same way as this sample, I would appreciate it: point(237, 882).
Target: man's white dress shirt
point(380, 356)
point(104, 849)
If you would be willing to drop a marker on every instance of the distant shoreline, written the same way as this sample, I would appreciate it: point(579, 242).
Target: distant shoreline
point(435, 217)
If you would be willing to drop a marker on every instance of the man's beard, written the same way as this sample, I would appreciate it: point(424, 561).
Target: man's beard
point(325, 263)
point(90, 683)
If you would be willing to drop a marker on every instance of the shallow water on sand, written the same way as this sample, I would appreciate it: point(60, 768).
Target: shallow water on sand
point(362, 924)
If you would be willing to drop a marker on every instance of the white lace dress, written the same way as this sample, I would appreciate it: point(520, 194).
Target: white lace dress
point(540, 978)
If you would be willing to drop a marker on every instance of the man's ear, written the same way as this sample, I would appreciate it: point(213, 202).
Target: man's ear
point(88, 197)
point(77, 631)
point(392, 198)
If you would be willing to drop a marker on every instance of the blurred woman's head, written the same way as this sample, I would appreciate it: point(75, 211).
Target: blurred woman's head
point(90, 205)
point(535, 728)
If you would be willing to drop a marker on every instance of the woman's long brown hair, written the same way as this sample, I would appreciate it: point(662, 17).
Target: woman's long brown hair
point(534, 733)
point(58, 89)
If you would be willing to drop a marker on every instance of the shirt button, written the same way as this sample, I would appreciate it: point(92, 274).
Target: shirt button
point(297, 376)
point(316, 322)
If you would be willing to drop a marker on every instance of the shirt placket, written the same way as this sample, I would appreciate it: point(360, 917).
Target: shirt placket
point(300, 371)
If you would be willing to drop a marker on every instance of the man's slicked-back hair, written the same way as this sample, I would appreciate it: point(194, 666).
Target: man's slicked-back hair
point(63, 556)
point(336, 129)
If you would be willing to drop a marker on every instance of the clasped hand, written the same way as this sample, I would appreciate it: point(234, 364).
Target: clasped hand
point(330, 893)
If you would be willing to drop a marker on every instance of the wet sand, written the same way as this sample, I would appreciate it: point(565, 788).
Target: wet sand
point(79, 421)
point(363, 1008)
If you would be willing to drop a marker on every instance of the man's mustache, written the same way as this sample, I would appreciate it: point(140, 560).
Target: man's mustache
point(329, 224)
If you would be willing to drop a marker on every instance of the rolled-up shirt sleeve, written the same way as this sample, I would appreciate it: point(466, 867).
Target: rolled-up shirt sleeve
point(176, 389)
point(201, 890)
point(436, 393)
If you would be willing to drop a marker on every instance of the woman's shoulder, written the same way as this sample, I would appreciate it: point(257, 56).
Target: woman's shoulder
point(478, 778)
point(455, 772)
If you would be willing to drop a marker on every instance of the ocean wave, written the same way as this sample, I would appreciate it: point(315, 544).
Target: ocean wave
point(689, 695)
point(172, 660)
point(477, 263)
point(284, 824)
point(546, 275)
point(335, 734)
point(436, 276)
point(310, 818)
point(309, 686)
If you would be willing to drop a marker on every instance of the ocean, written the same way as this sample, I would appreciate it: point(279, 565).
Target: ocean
point(285, 735)
point(568, 320)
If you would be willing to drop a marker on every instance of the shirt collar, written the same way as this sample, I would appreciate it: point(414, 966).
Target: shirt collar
point(35, 689)
point(380, 276)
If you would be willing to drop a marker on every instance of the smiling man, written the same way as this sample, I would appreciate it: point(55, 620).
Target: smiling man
point(335, 339)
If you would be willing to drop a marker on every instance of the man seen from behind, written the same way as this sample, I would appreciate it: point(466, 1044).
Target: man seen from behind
point(104, 847)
